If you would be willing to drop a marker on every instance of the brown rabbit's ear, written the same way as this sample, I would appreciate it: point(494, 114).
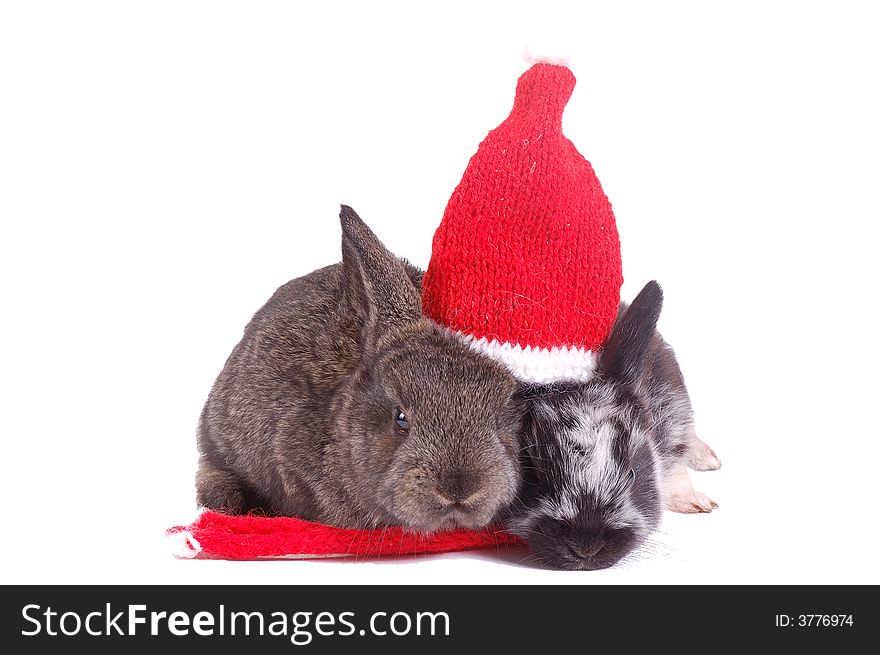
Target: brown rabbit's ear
point(623, 354)
point(377, 289)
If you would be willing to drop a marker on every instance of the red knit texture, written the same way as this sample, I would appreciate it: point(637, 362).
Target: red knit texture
point(256, 537)
point(528, 252)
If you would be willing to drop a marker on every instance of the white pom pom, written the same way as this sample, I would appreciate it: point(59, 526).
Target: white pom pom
point(546, 52)
point(183, 545)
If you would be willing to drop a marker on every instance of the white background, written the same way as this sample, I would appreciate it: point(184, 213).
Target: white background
point(164, 166)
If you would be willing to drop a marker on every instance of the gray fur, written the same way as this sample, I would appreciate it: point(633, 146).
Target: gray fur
point(596, 453)
point(301, 420)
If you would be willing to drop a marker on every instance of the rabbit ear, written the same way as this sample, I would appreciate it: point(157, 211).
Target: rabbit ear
point(378, 291)
point(623, 354)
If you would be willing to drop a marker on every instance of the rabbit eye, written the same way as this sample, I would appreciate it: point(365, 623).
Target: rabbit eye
point(631, 478)
point(401, 420)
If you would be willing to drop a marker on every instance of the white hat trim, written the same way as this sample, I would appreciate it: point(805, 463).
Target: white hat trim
point(538, 365)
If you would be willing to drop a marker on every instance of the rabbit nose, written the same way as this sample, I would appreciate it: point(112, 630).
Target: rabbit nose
point(588, 551)
point(591, 550)
point(457, 487)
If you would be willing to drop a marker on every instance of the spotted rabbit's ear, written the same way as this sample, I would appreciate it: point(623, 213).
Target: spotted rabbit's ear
point(377, 289)
point(623, 354)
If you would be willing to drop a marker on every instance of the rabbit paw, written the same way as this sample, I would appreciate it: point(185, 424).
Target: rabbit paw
point(219, 490)
point(692, 502)
point(680, 496)
point(701, 457)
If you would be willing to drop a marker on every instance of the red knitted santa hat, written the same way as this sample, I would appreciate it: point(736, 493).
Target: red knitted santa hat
point(526, 262)
point(526, 266)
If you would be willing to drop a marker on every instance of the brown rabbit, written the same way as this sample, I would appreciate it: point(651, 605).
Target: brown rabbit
point(343, 404)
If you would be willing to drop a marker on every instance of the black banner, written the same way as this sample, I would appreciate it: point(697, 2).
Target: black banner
point(435, 619)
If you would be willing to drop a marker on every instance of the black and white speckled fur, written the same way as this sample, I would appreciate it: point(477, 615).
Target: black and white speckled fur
point(602, 458)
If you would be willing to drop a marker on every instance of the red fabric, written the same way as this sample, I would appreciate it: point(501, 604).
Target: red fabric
point(256, 537)
point(528, 251)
